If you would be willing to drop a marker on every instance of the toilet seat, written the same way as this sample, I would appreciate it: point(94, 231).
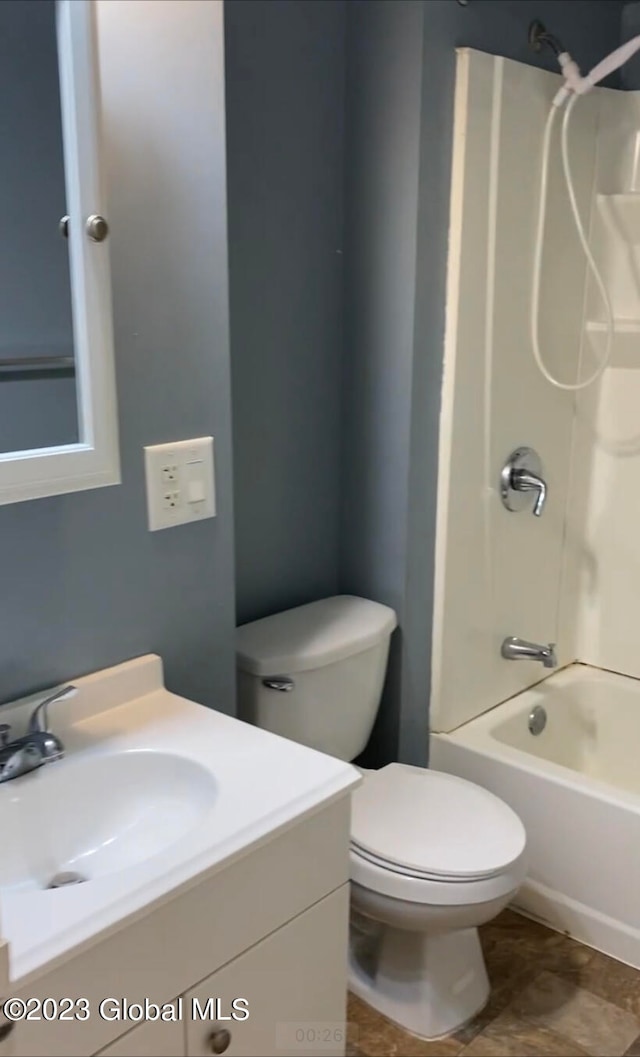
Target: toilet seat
point(432, 827)
point(439, 892)
point(420, 875)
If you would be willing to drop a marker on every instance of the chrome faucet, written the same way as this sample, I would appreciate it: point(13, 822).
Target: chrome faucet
point(514, 649)
point(522, 474)
point(528, 481)
point(35, 748)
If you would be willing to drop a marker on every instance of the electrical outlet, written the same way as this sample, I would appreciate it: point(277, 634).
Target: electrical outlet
point(171, 500)
point(180, 482)
point(170, 474)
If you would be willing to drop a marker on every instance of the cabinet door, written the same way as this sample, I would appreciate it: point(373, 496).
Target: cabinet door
point(295, 987)
point(149, 1040)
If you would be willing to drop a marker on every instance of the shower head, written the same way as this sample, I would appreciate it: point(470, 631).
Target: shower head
point(540, 38)
point(613, 61)
point(576, 84)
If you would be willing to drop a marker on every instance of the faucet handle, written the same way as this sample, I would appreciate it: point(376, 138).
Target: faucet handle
point(5, 729)
point(526, 481)
point(521, 475)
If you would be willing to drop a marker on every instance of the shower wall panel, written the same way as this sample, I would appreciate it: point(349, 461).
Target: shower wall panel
point(604, 513)
point(500, 573)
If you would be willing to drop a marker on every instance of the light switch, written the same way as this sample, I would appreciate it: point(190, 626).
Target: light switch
point(180, 482)
point(196, 484)
point(196, 492)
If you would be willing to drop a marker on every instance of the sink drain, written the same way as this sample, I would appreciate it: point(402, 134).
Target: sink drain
point(66, 878)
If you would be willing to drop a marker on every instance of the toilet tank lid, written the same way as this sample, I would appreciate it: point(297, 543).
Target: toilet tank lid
point(312, 635)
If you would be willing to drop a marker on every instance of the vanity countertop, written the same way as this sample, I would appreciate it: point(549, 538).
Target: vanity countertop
point(172, 790)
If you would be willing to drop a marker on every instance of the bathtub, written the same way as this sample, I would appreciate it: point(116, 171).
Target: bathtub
point(576, 787)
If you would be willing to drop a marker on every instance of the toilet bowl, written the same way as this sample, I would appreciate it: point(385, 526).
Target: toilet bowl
point(432, 856)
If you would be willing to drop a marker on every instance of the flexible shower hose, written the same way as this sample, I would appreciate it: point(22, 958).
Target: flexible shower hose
point(537, 258)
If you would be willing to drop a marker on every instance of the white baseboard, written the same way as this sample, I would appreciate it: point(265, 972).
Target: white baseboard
point(581, 922)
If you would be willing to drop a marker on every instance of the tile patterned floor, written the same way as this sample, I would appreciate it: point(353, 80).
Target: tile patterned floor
point(551, 997)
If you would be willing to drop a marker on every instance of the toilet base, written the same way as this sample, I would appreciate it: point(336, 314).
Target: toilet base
point(429, 984)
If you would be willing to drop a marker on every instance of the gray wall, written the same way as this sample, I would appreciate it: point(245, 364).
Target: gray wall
point(285, 103)
point(84, 584)
point(401, 69)
point(630, 73)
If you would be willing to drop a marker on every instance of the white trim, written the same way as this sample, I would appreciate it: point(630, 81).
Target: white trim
point(447, 395)
point(95, 460)
point(489, 328)
point(556, 910)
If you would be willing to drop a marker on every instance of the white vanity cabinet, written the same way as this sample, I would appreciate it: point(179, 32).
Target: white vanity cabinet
point(271, 927)
point(215, 860)
point(292, 984)
point(160, 1039)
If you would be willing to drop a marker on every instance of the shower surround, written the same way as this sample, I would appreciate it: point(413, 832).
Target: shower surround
point(571, 576)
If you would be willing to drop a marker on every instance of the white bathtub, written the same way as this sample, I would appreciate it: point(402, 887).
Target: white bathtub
point(576, 787)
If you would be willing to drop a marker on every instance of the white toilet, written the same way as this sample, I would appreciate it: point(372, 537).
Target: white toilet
point(432, 856)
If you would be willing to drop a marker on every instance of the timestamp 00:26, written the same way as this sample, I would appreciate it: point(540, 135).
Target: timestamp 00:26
point(314, 1035)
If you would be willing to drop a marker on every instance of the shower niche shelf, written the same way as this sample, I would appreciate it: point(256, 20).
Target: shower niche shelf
point(622, 213)
point(626, 341)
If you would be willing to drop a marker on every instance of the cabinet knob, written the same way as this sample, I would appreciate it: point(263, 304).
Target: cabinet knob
point(97, 228)
point(63, 227)
point(219, 1040)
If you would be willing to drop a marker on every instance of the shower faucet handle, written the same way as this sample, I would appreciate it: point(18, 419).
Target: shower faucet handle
point(526, 481)
point(521, 475)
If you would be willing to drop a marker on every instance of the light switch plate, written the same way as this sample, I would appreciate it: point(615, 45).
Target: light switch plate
point(180, 482)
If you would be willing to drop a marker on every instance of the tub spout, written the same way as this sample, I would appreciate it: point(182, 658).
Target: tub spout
point(515, 649)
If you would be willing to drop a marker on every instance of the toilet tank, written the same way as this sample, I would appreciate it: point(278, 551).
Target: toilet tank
point(315, 673)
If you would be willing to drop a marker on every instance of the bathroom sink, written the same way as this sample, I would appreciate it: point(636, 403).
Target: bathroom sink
point(154, 794)
point(86, 817)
